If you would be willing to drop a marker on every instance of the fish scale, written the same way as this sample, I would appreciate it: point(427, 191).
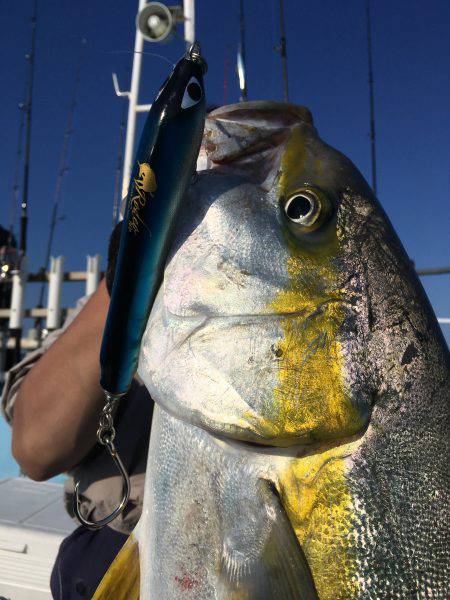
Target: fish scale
point(210, 522)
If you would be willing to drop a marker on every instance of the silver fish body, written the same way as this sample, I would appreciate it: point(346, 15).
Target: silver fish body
point(299, 446)
point(215, 528)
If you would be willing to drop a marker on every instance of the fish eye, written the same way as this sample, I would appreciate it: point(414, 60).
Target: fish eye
point(192, 94)
point(307, 208)
point(302, 208)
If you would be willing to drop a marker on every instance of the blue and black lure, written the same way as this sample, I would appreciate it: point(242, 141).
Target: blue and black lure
point(164, 165)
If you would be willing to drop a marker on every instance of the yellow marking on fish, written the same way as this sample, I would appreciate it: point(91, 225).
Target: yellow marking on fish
point(122, 580)
point(293, 161)
point(238, 595)
point(253, 421)
point(312, 402)
point(315, 495)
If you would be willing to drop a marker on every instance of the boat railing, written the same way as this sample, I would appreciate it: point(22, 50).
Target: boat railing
point(50, 316)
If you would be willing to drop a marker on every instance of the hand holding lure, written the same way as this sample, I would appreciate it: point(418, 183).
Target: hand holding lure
point(164, 165)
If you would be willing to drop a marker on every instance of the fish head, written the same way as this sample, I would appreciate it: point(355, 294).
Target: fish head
point(285, 283)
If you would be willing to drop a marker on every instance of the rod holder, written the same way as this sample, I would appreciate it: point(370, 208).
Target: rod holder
point(56, 276)
point(92, 273)
point(19, 279)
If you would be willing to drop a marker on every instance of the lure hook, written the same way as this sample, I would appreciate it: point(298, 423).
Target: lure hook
point(105, 435)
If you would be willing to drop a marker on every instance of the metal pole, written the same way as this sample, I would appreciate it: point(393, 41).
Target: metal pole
point(241, 55)
point(19, 280)
point(92, 273)
point(27, 108)
point(283, 53)
point(56, 275)
point(189, 21)
point(371, 99)
point(133, 100)
point(434, 271)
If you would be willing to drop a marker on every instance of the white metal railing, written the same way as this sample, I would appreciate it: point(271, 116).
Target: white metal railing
point(53, 312)
point(54, 292)
point(19, 280)
point(92, 274)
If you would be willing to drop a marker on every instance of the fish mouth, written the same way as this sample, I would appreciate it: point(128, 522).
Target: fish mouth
point(223, 372)
point(244, 316)
point(297, 450)
point(203, 314)
point(250, 136)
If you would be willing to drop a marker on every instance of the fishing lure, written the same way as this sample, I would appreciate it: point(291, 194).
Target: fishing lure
point(164, 165)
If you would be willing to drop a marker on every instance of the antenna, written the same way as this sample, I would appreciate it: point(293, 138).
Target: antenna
point(63, 167)
point(241, 55)
point(371, 100)
point(282, 49)
point(27, 108)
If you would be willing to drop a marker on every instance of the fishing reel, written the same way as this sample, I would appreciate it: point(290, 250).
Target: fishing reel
point(9, 255)
point(9, 260)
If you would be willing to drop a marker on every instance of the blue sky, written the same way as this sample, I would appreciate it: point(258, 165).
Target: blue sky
point(327, 72)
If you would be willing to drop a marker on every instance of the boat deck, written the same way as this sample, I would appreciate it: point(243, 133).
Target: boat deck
point(33, 522)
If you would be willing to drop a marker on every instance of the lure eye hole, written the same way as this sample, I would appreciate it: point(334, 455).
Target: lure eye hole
point(303, 208)
point(192, 94)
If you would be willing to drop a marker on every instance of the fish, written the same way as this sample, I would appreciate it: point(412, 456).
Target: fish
point(298, 447)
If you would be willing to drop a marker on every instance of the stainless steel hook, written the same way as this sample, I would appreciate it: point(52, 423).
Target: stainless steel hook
point(105, 435)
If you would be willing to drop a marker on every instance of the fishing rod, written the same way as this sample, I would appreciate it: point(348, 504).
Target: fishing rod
point(434, 271)
point(16, 183)
point(28, 112)
point(282, 49)
point(241, 55)
point(16, 332)
point(63, 168)
point(371, 98)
